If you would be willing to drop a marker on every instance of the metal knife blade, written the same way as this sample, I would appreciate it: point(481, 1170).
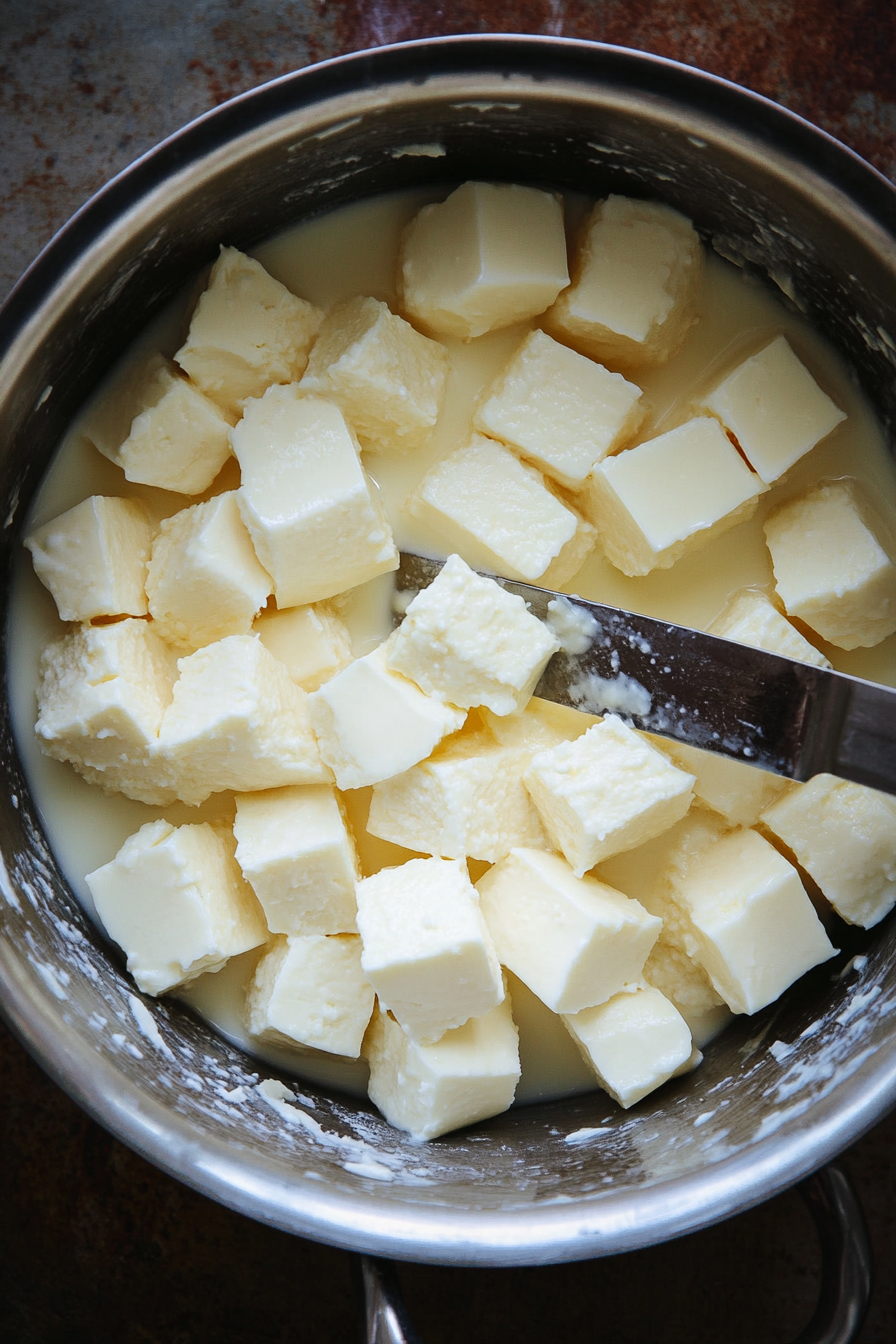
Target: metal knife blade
point(785, 717)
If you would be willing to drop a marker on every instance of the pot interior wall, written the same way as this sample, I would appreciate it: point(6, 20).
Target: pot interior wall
point(189, 1099)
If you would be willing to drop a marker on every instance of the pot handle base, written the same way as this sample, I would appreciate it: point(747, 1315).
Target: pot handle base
point(845, 1271)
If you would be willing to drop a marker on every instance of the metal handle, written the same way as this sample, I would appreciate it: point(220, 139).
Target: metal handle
point(845, 1271)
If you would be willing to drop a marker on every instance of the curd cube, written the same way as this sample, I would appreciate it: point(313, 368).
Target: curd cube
point(468, 799)
point(312, 642)
point(465, 640)
point(237, 721)
point(310, 990)
point(670, 495)
point(160, 429)
point(752, 618)
point(298, 855)
point(248, 331)
point(204, 580)
point(387, 378)
point(174, 900)
point(501, 513)
point(831, 571)
point(313, 514)
point(774, 408)
point(93, 558)
point(574, 941)
point(739, 792)
point(426, 949)
point(636, 279)
point(754, 929)
point(558, 408)
point(844, 835)
point(634, 1043)
point(469, 1074)
point(373, 723)
point(102, 693)
point(541, 724)
point(670, 970)
point(606, 792)
point(490, 255)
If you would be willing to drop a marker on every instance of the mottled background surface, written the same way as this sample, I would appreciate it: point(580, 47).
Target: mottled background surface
point(97, 1246)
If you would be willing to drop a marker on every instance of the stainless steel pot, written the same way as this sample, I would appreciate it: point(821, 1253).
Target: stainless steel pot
point(560, 1181)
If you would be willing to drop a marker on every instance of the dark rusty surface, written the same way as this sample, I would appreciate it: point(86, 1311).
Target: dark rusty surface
point(97, 1246)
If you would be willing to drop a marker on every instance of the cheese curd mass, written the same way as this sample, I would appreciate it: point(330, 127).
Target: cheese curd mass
point(229, 731)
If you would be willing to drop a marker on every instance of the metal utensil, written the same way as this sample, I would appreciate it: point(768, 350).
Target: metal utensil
point(786, 717)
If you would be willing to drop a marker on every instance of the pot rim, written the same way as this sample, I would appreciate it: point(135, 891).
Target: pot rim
point(624, 1220)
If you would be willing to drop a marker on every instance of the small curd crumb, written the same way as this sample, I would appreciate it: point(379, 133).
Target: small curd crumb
point(312, 642)
point(502, 515)
point(559, 409)
point(313, 514)
point(467, 641)
point(636, 277)
point(174, 900)
point(488, 256)
point(373, 723)
point(237, 721)
point(672, 494)
point(93, 558)
point(774, 408)
point(204, 580)
point(159, 428)
point(831, 571)
point(634, 1043)
point(310, 990)
point(606, 792)
point(469, 1074)
point(248, 331)
point(752, 618)
point(388, 379)
point(573, 941)
point(296, 852)
point(844, 835)
point(426, 949)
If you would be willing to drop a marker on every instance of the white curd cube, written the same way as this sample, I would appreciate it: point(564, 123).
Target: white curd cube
point(102, 694)
point(844, 835)
point(388, 379)
point(313, 514)
point(247, 332)
point(754, 929)
point(174, 900)
point(739, 792)
point(774, 408)
point(558, 408)
point(606, 792)
point(298, 855)
point(541, 724)
point(670, 970)
point(831, 571)
point(636, 279)
point(467, 799)
point(500, 512)
point(160, 429)
point(312, 642)
point(310, 990)
point(752, 618)
point(634, 1043)
point(669, 495)
point(490, 255)
point(465, 640)
point(373, 723)
point(574, 941)
point(469, 1074)
point(93, 558)
point(426, 949)
point(237, 721)
point(204, 580)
